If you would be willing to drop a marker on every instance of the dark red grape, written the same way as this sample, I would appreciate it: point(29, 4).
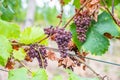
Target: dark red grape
point(82, 22)
point(38, 51)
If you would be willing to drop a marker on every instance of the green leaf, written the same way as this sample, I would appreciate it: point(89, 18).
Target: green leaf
point(106, 24)
point(7, 13)
point(109, 2)
point(32, 35)
point(76, 3)
point(19, 54)
point(40, 75)
point(96, 43)
point(10, 30)
point(73, 76)
point(74, 36)
point(5, 49)
point(66, 1)
point(18, 74)
point(58, 77)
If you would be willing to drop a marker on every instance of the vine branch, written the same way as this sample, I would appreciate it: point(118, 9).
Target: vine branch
point(79, 59)
point(24, 66)
point(113, 7)
point(106, 7)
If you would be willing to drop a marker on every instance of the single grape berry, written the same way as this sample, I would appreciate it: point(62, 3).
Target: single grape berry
point(82, 22)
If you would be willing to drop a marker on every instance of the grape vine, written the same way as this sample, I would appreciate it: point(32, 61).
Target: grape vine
point(88, 34)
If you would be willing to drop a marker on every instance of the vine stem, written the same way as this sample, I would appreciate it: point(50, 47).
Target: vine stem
point(24, 66)
point(106, 7)
point(76, 57)
point(61, 15)
point(41, 60)
point(40, 57)
point(85, 3)
point(4, 70)
point(113, 7)
point(43, 39)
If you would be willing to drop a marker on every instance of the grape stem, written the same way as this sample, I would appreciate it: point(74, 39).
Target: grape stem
point(113, 7)
point(61, 15)
point(85, 3)
point(106, 7)
point(24, 66)
point(43, 39)
point(41, 59)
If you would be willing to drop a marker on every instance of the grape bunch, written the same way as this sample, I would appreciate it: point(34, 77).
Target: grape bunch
point(39, 52)
point(82, 22)
point(61, 37)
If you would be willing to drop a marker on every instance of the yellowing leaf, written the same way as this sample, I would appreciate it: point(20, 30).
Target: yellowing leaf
point(20, 54)
point(32, 35)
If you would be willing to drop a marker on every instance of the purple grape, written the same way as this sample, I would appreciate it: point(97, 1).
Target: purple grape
point(82, 22)
point(35, 51)
point(62, 39)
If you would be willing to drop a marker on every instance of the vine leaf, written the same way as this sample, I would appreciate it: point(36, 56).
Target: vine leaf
point(96, 43)
point(19, 54)
point(18, 74)
point(7, 13)
point(106, 24)
point(10, 30)
point(76, 3)
point(73, 76)
point(32, 35)
point(40, 74)
point(66, 1)
point(58, 77)
point(109, 2)
point(74, 36)
point(5, 49)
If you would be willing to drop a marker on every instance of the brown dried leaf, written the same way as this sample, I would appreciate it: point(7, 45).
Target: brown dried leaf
point(67, 62)
point(10, 64)
point(16, 47)
point(51, 55)
point(59, 16)
point(62, 2)
point(82, 1)
point(27, 58)
point(71, 45)
point(84, 67)
point(93, 8)
point(108, 35)
point(53, 37)
point(60, 62)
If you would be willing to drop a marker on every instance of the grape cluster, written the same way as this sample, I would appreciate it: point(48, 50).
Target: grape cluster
point(82, 22)
point(61, 37)
point(39, 52)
